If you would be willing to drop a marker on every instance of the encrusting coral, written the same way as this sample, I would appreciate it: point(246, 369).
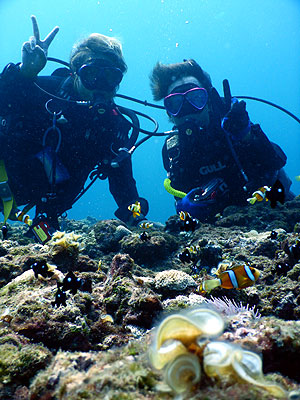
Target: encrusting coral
point(64, 249)
point(182, 348)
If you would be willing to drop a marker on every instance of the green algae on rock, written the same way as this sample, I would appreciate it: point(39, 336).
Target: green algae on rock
point(20, 360)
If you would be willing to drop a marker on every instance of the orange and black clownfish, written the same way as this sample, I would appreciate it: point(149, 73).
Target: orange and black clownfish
point(189, 223)
point(238, 277)
point(135, 208)
point(274, 194)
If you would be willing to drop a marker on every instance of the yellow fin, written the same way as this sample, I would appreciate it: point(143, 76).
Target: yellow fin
point(209, 285)
point(252, 200)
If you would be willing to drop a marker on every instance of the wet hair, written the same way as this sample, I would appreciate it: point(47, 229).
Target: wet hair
point(95, 46)
point(163, 75)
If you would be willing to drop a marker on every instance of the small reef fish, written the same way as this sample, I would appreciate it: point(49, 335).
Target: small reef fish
point(273, 235)
point(145, 225)
point(258, 195)
point(295, 250)
point(189, 223)
point(99, 266)
point(194, 249)
point(282, 268)
point(195, 271)
point(186, 256)
point(4, 230)
point(274, 194)
point(238, 277)
point(70, 282)
point(222, 267)
point(22, 217)
point(135, 209)
point(41, 268)
point(60, 298)
point(297, 178)
point(144, 236)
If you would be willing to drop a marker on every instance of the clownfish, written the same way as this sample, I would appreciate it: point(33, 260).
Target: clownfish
point(22, 217)
point(274, 194)
point(188, 222)
point(144, 236)
point(187, 255)
point(238, 277)
point(258, 195)
point(145, 225)
point(135, 209)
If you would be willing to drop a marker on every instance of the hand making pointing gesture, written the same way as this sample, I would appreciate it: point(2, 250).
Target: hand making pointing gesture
point(34, 51)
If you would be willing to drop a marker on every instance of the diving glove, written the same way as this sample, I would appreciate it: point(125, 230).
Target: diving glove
point(236, 122)
point(202, 202)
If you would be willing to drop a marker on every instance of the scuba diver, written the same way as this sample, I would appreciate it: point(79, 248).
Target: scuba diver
point(215, 157)
point(58, 130)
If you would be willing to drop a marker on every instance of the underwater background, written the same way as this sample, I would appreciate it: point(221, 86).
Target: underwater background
point(254, 44)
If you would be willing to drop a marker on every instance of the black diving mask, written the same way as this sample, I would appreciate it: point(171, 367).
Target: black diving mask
point(96, 76)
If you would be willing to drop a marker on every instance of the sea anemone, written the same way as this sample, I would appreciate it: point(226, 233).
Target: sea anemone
point(174, 339)
point(224, 361)
point(181, 346)
point(229, 307)
point(183, 372)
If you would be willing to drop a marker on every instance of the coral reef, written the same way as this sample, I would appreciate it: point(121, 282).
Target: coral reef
point(158, 247)
point(173, 281)
point(108, 234)
point(96, 345)
point(128, 301)
point(64, 249)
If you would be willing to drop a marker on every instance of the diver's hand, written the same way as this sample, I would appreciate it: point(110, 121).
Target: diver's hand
point(204, 202)
point(197, 206)
point(34, 52)
point(236, 122)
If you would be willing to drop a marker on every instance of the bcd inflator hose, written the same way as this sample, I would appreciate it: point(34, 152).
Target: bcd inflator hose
point(174, 192)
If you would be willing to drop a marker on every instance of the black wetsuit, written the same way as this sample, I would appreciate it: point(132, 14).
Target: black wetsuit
point(194, 160)
point(89, 137)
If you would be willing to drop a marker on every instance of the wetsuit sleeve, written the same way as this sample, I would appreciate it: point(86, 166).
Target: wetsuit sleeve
point(13, 92)
point(13, 88)
point(266, 155)
point(262, 159)
point(17, 91)
point(123, 188)
point(16, 88)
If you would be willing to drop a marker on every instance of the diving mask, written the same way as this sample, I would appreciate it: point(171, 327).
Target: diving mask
point(96, 76)
point(196, 96)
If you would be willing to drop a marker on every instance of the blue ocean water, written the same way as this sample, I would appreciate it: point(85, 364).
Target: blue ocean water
point(254, 44)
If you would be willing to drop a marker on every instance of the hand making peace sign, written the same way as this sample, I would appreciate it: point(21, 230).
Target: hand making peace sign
point(34, 52)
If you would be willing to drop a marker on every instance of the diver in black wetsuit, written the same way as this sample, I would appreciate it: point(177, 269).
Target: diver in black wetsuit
point(56, 129)
point(217, 156)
